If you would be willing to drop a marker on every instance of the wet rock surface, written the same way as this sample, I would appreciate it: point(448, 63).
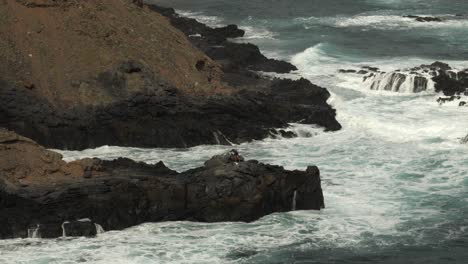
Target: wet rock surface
point(165, 118)
point(57, 198)
point(214, 42)
point(446, 79)
point(425, 18)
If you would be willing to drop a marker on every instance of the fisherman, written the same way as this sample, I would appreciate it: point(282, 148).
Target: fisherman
point(234, 156)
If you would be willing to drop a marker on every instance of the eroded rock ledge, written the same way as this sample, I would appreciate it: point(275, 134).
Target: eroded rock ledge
point(43, 196)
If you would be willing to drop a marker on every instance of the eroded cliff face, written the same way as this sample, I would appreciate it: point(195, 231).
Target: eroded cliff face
point(96, 52)
point(43, 196)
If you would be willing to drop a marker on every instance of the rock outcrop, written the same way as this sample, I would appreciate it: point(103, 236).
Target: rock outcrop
point(446, 79)
point(464, 140)
point(126, 76)
point(214, 42)
point(424, 18)
point(438, 77)
point(43, 196)
point(167, 118)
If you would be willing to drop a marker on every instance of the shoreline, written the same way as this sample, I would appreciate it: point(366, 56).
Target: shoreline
point(87, 196)
point(159, 114)
point(46, 197)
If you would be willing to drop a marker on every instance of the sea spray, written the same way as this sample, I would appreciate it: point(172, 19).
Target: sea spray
point(99, 229)
point(293, 207)
point(394, 178)
point(64, 232)
point(399, 82)
point(34, 232)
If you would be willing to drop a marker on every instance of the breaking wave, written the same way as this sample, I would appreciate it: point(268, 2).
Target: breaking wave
point(378, 21)
point(212, 21)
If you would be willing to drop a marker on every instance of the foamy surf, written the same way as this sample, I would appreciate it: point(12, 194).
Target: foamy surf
point(382, 21)
point(394, 178)
point(212, 21)
point(251, 32)
point(322, 64)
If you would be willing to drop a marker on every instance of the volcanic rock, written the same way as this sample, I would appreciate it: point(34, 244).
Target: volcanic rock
point(59, 200)
point(424, 18)
point(118, 80)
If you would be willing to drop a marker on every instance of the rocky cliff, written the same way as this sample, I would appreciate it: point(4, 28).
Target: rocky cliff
point(82, 74)
point(43, 196)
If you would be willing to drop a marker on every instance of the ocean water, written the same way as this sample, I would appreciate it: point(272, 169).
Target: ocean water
point(395, 178)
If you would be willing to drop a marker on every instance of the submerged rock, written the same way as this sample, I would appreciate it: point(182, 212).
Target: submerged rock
point(122, 193)
point(425, 18)
point(346, 71)
point(464, 140)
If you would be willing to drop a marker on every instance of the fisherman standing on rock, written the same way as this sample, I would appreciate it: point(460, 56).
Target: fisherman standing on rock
point(234, 156)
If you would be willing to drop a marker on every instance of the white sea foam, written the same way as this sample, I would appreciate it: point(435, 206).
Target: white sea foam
point(212, 21)
point(322, 62)
point(376, 172)
point(389, 177)
point(395, 175)
point(251, 32)
point(384, 21)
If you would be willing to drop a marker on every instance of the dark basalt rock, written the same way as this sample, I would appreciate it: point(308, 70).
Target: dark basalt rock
point(447, 80)
point(123, 193)
point(246, 55)
point(287, 134)
point(464, 140)
point(158, 115)
point(191, 27)
point(164, 118)
point(372, 69)
point(83, 227)
point(442, 100)
point(346, 71)
point(449, 86)
point(441, 66)
point(425, 18)
point(214, 42)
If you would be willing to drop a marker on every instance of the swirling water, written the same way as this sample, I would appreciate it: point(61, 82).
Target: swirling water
point(395, 178)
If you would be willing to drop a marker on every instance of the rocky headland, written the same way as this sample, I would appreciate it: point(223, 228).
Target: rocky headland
point(82, 74)
point(44, 197)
